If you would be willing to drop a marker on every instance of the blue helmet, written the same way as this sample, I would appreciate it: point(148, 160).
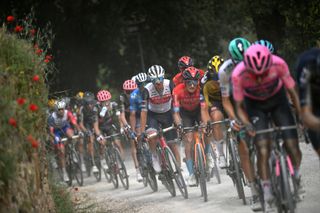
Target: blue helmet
point(266, 43)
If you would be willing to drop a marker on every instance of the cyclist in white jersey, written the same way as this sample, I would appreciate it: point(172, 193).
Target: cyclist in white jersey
point(156, 110)
point(237, 47)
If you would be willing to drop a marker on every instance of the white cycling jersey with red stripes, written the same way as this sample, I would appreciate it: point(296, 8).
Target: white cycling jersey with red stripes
point(159, 103)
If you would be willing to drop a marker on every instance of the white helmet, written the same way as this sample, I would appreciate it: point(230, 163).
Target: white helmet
point(156, 71)
point(141, 77)
point(61, 104)
point(133, 78)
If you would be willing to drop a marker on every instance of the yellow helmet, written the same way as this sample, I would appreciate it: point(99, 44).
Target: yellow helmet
point(52, 102)
point(215, 63)
point(79, 95)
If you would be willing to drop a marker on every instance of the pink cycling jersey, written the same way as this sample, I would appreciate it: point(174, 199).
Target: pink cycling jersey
point(261, 87)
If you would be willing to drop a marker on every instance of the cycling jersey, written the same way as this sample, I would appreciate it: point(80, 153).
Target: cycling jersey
point(88, 116)
point(178, 79)
point(309, 84)
point(211, 92)
point(57, 122)
point(124, 103)
point(184, 99)
point(262, 87)
point(225, 77)
point(155, 102)
point(136, 102)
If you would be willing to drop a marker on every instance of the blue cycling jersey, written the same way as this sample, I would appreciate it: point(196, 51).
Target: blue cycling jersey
point(135, 101)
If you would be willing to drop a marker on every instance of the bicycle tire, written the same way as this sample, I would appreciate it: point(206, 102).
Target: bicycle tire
point(167, 177)
point(237, 170)
point(69, 169)
point(121, 170)
point(97, 175)
point(142, 164)
point(288, 202)
point(107, 171)
point(86, 157)
point(76, 167)
point(149, 172)
point(176, 171)
point(275, 183)
point(215, 170)
point(201, 172)
point(113, 168)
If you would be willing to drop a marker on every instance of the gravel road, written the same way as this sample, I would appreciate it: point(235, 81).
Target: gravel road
point(102, 197)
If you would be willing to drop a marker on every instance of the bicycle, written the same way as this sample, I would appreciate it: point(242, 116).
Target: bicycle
point(283, 182)
point(233, 168)
point(169, 167)
point(199, 158)
point(116, 166)
point(73, 162)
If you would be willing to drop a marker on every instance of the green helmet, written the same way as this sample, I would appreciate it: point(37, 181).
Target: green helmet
point(237, 47)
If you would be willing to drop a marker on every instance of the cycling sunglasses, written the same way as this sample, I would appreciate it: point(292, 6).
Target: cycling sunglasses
point(157, 80)
point(192, 82)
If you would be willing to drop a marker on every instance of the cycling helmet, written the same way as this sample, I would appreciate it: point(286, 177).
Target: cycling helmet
point(237, 47)
point(103, 95)
point(266, 44)
point(215, 63)
point(184, 62)
point(79, 95)
point(191, 73)
point(129, 85)
point(61, 104)
point(88, 97)
point(141, 78)
point(156, 71)
point(51, 103)
point(257, 59)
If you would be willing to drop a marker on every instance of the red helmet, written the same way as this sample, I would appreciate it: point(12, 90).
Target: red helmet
point(103, 95)
point(184, 62)
point(191, 73)
point(129, 85)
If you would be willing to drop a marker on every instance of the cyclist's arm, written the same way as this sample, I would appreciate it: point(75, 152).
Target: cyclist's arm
point(205, 117)
point(295, 99)
point(242, 113)
point(133, 120)
point(176, 108)
point(309, 119)
point(73, 120)
point(227, 106)
point(96, 128)
point(144, 110)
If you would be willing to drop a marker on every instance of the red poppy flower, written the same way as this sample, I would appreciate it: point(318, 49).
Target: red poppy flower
point(39, 51)
point(12, 122)
point(10, 18)
point(21, 101)
point(46, 60)
point(33, 32)
point(33, 107)
point(18, 29)
point(49, 57)
point(36, 78)
point(34, 142)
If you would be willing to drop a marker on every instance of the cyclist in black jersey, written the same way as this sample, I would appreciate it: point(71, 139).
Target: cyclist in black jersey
point(308, 77)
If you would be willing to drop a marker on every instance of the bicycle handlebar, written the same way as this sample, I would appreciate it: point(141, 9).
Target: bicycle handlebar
point(277, 128)
point(163, 131)
point(110, 136)
point(73, 137)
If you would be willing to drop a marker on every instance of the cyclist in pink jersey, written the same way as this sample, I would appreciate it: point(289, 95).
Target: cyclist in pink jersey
point(259, 84)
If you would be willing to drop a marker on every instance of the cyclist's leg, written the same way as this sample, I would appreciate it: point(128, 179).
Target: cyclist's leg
point(133, 143)
point(153, 126)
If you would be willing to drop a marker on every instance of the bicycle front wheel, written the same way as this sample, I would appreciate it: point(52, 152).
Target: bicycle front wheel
point(215, 170)
point(287, 202)
point(166, 176)
point(97, 161)
point(202, 172)
point(176, 172)
point(237, 171)
point(76, 167)
point(121, 170)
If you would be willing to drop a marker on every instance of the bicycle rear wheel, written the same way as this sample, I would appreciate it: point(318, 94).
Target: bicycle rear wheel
point(121, 170)
point(215, 170)
point(239, 179)
point(76, 167)
point(176, 171)
point(202, 172)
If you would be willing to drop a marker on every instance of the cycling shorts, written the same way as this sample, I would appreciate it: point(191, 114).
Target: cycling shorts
point(275, 110)
point(61, 132)
point(163, 119)
point(190, 117)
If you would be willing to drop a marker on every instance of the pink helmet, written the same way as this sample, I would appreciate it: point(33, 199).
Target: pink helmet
point(129, 85)
point(103, 95)
point(257, 59)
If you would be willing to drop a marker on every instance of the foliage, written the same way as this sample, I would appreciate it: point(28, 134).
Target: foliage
point(62, 199)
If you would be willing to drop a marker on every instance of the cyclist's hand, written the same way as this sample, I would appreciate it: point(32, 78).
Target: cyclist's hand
point(235, 125)
point(180, 129)
point(122, 131)
point(81, 134)
point(142, 136)
point(57, 138)
point(250, 129)
point(101, 139)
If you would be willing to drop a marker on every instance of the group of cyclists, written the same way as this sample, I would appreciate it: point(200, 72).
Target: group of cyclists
point(252, 83)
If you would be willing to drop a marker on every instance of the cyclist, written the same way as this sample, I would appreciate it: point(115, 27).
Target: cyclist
point(135, 111)
point(156, 109)
point(267, 44)
point(189, 107)
point(212, 96)
point(308, 77)
point(60, 125)
point(259, 82)
point(89, 124)
point(236, 48)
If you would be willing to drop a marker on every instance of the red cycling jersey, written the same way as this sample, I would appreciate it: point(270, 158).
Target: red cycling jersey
point(182, 98)
point(177, 79)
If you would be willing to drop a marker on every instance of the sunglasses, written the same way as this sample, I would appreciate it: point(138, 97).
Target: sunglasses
point(192, 82)
point(157, 80)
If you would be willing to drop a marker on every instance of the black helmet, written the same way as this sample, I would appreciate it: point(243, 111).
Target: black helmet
point(88, 97)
